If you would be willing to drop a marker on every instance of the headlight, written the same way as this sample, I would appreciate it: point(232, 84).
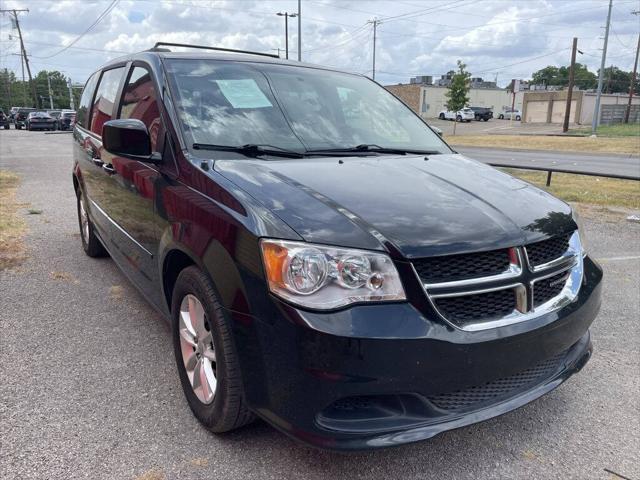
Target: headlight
point(581, 231)
point(321, 277)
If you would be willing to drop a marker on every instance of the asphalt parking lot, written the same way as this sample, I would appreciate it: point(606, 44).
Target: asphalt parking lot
point(88, 386)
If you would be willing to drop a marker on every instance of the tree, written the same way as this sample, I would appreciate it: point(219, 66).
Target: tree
point(617, 81)
point(559, 76)
point(549, 75)
point(16, 93)
point(457, 94)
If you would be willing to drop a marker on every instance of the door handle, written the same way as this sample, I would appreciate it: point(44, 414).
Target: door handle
point(109, 169)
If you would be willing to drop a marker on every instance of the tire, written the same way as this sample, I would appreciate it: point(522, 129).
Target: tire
point(501, 117)
point(90, 243)
point(518, 118)
point(226, 408)
point(441, 116)
point(6, 127)
point(477, 118)
point(18, 127)
point(485, 119)
point(458, 118)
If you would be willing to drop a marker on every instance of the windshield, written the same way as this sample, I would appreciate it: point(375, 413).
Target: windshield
point(294, 108)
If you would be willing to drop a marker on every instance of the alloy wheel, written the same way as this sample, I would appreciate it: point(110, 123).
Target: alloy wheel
point(196, 346)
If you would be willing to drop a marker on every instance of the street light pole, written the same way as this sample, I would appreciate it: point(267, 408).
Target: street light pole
point(596, 110)
point(286, 16)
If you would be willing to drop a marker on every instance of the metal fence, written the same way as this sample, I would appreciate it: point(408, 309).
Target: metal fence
point(610, 114)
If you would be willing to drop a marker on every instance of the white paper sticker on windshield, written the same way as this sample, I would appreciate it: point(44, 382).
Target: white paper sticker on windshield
point(243, 93)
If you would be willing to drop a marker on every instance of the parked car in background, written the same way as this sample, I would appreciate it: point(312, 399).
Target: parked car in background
point(508, 113)
point(67, 120)
point(355, 282)
point(40, 120)
point(464, 115)
point(20, 119)
point(482, 113)
point(55, 114)
point(4, 121)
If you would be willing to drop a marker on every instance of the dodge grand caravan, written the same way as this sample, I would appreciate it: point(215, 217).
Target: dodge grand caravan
point(326, 261)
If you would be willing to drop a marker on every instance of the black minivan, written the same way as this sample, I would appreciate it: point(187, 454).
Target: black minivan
point(326, 261)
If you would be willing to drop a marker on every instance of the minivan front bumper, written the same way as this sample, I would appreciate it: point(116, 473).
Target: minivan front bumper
point(373, 376)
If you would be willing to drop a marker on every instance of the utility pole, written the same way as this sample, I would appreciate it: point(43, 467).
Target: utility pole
point(633, 77)
point(72, 103)
point(15, 12)
point(572, 69)
point(286, 16)
point(596, 111)
point(299, 31)
point(50, 94)
point(375, 22)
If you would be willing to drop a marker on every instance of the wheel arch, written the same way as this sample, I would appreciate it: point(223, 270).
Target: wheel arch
point(216, 262)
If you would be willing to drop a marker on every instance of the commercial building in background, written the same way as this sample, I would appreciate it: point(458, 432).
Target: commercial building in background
point(549, 107)
point(428, 100)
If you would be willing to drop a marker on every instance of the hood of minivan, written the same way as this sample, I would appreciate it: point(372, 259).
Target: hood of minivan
point(410, 205)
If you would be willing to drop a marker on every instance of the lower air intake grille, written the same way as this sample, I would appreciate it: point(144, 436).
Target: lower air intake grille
point(547, 250)
point(547, 288)
point(473, 308)
point(503, 387)
point(461, 267)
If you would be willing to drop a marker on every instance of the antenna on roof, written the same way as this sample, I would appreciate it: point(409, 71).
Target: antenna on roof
point(158, 45)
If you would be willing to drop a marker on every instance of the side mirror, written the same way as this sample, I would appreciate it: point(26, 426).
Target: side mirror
point(129, 139)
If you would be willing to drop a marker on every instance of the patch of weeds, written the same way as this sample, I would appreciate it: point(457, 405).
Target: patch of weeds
point(12, 227)
point(153, 474)
point(116, 292)
point(62, 276)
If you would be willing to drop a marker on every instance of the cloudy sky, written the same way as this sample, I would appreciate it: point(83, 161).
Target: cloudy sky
point(500, 39)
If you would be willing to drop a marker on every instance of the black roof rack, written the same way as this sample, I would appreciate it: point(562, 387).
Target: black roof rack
point(219, 49)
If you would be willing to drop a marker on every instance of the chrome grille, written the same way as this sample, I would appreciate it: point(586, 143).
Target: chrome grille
point(545, 251)
point(506, 287)
point(503, 387)
point(459, 267)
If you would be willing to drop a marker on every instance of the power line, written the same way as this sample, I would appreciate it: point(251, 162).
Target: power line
point(104, 14)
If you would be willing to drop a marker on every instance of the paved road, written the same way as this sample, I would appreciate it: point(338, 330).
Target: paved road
point(626, 165)
point(88, 387)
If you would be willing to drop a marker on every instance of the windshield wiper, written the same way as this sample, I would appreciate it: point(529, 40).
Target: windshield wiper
point(250, 149)
point(373, 148)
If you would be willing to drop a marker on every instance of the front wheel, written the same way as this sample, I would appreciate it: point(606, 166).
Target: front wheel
point(518, 118)
point(206, 358)
point(501, 117)
point(485, 119)
point(441, 116)
point(458, 118)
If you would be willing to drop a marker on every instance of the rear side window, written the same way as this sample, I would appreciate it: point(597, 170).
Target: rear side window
point(139, 101)
point(105, 98)
point(85, 100)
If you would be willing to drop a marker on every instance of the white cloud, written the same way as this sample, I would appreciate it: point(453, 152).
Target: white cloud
point(486, 34)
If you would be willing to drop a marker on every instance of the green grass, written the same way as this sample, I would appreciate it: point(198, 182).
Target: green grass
point(585, 189)
point(617, 130)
